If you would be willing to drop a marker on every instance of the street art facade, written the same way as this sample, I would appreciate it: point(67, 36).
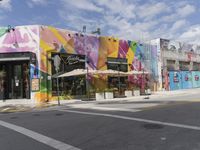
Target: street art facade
point(41, 44)
point(19, 57)
point(180, 64)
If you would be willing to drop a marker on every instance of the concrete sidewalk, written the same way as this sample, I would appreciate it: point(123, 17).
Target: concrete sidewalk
point(156, 96)
point(27, 104)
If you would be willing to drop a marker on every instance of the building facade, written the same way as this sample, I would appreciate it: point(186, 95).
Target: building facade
point(179, 64)
point(32, 57)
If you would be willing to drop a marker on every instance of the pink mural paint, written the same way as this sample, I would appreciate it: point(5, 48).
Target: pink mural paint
point(48, 36)
point(123, 48)
point(20, 40)
point(16, 36)
point(20, 49)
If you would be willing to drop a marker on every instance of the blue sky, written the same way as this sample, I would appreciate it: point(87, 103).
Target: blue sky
point(127, 19)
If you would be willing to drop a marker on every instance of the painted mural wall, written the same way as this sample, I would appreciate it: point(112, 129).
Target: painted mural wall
point(196, 79)
point(184, 79)
point(42, 40)
point(22, 39)
point(175, 80)
point(97, 49)
point(19, 39)
point(175, 50)
point(159, 61)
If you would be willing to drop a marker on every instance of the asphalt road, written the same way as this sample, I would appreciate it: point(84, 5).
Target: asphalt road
point(171, 126)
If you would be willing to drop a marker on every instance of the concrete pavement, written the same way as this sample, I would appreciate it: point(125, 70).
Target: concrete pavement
point(156, 96)
point(175, 127)
point(139, 101)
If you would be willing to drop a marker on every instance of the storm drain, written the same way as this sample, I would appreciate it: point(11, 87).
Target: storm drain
point(59, 114)
point(36, 115)
point(14, 117)
point(153, 126)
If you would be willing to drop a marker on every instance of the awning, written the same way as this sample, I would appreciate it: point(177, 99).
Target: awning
point(111, 72)
point(14, 59)
point(135, 72)
point(77, 72)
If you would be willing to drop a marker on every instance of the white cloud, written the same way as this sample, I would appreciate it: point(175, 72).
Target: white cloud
point(192, 35)
point(145, 26)
point(77, 21)
point(6, 5)
point(129, 19)
point(83, 4)
point(149, 11)
point(119, 7)
point(178, 24)
point(186, 10)
point(180, 11)
point(32, 3)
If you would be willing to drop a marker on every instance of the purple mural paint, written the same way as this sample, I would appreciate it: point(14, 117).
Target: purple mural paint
point(91, 47)
point(79, 44)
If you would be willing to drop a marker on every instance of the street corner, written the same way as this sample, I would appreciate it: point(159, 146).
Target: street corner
point(14, 108)
point(39, 106)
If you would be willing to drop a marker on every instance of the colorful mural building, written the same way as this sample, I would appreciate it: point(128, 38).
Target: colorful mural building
point(178, 64)
point(32, 57)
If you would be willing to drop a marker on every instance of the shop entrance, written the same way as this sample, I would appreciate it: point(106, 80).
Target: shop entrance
point(14, 80)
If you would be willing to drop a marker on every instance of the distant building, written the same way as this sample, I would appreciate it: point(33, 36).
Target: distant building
point(179, 64)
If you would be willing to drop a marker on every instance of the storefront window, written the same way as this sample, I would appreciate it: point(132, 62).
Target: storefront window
point(73, 85)
point(119, 64)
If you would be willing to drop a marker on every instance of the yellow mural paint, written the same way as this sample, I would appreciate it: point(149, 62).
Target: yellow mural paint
point(102, 58)
point(112, 47)
point(45, 47)
point(57, 35)
point(40, 97)
point(69, 47)
point(130, 57)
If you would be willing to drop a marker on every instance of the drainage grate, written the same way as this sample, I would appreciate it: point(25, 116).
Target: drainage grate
point(36, 114)
point(14, 117)
point(58, 114)
point(153, 126)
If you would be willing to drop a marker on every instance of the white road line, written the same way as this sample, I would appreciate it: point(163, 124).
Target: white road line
point(114, 109)
point(107, 108)
point(137, 119)
point(39, 137)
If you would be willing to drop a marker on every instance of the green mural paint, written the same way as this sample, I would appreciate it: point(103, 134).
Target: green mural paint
point(133, 46)
point(2, 31)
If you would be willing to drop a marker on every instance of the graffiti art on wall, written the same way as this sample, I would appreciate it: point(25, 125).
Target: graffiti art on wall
point(179, 46)
point(186, 79)
point(44, 40)
point(19, 39)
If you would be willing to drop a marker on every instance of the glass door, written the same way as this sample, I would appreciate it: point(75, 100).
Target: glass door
point(2, 81)
point(17, 91)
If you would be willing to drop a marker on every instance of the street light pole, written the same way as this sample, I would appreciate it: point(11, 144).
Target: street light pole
point(119, 79)
point(58, 90)
point(87, 81)
point(143, 83)
point(57, 65)
point(88, 86)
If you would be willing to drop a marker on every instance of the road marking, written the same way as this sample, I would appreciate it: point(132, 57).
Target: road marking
point(107, 108)
point(39, 137)
point(114, 109)
point(136, 119)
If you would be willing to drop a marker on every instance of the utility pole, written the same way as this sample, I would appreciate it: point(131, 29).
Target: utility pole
point(57, 65)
